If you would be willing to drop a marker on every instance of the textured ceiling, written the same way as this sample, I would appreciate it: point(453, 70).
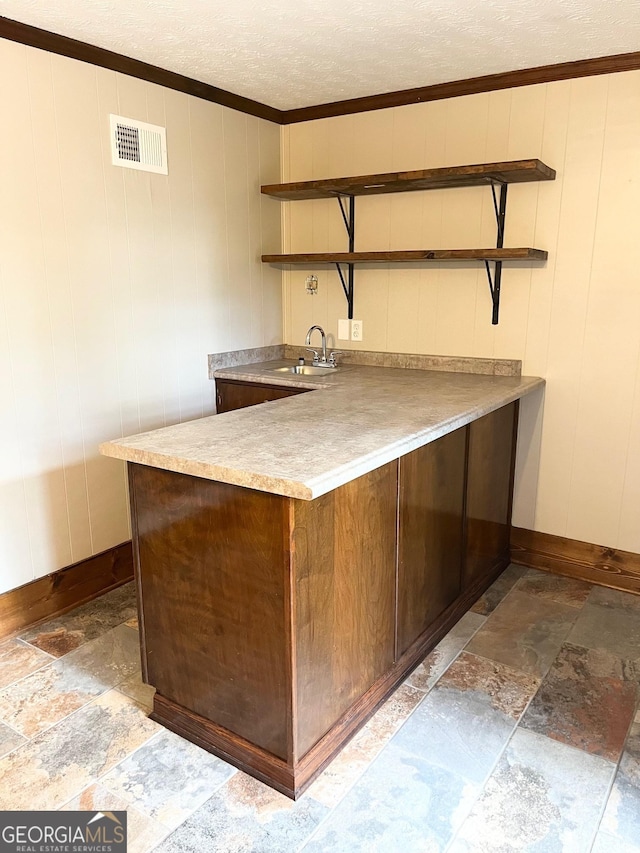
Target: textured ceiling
point(296, 53)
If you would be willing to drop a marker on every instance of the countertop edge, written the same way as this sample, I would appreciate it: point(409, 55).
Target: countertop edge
point(318, 486)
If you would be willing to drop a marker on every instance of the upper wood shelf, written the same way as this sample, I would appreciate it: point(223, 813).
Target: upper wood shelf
point(514, 171)
point(415, 255)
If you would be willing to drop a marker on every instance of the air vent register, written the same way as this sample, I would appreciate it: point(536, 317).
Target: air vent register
point(138, 145)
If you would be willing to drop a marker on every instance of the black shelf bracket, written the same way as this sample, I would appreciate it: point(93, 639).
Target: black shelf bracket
point(500, 209)
point(494, 278)
point(350, 225)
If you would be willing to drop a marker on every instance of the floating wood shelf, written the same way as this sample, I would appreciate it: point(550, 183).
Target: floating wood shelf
point(514, 171)
point(415, 255)
point(481, 174)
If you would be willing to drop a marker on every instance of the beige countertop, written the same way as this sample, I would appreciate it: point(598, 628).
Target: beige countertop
point(354, 420)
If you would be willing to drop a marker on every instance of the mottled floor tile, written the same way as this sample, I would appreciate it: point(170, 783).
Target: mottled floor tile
point(66, 633)
point(606, 843)
point(334, 782)
point(59, 763)
point(507, 690)
point(143, 833)
point(463, 725)
point(17, 659)
point(622, 815)
point(138, 690)
point(543, 796)
point(488, 602)
point(168, 778)
point(429, 671)
point(403, 802)
point(615, 599)
point(47, 696)
point(555, 587)
point(586, 700)
point(245, 815)
point(9, 739)
point(407, 782)
point(525, 632)
point(609, 620)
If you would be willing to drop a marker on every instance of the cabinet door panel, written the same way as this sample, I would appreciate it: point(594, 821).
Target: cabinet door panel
point(344, 553)
point(489, 492)
point(212, 568)
point(238, 395)
point(431, 499)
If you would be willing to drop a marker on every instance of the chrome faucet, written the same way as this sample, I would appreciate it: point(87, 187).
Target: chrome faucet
point(317, 360)
point(324, 344)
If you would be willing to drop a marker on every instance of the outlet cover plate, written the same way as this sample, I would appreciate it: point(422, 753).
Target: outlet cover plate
point(356, 330)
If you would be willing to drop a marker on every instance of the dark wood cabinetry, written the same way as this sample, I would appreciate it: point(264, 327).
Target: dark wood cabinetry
point(232, 395)
point(344, 554)
point(430, 533)
point(214, 635)
point(490, 469)
point(265, 620)
point(454, 519)
point(272, 628)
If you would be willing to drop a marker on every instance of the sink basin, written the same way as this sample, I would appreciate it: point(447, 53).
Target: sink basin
point(306, 370)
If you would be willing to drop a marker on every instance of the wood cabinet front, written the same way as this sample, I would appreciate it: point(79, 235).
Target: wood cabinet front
point(430, 533)
point(213, 592)
point(273, 627)
point(490, 470)
point(231, 395)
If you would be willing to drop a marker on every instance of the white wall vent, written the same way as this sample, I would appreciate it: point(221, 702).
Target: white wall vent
point(138, 145)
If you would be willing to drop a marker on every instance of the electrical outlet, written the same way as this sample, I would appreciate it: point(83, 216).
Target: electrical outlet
point(356, 330)
point(344, 330)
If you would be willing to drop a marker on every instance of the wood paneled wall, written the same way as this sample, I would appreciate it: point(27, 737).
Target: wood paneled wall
point(573, 320)
point(114, 287)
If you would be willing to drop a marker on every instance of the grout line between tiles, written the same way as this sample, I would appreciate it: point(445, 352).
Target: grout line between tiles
point(364, 770)
point(28, 674)
point(605, 801)
point(32, 646)
point(64, 720)
point(517, 727)
point(388, 742)
point(481, 791)
point(51, 663)
point(515, 669)
point(75, 711)
point(499, 757)
point(101, 780)
point(15, 730)
point(447, 667)
point(614, 775)
point(426, 693)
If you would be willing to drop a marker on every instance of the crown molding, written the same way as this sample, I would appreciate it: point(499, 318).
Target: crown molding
point(74, 49)
point(470, 86)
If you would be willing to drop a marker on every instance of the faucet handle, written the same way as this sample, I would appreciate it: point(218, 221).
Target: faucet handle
point(333, 354)
point(316, 357)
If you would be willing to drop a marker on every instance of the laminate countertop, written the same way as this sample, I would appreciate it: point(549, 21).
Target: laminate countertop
point(354, 420)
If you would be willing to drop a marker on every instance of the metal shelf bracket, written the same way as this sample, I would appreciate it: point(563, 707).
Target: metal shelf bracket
point(350, 225)
point(500, 208)
point(495, 278)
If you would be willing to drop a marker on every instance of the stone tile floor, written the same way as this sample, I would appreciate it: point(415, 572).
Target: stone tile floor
point(520, 731)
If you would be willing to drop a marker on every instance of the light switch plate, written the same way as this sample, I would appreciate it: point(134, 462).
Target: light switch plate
point(344, 330)
point(356, 330)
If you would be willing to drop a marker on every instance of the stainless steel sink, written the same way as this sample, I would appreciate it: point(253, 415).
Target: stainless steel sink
point(306, 370)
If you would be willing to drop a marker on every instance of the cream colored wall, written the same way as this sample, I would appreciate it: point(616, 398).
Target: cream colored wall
point(575, 320)
point(114, 287)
